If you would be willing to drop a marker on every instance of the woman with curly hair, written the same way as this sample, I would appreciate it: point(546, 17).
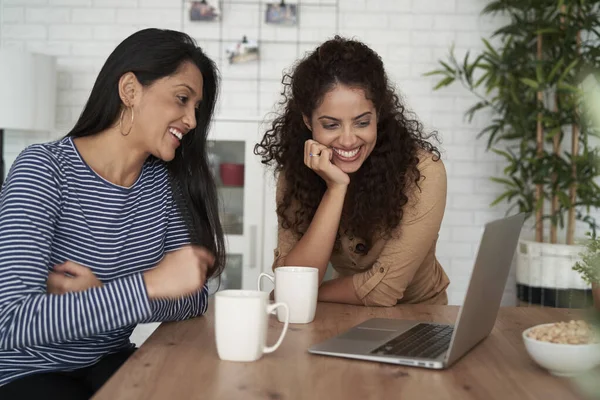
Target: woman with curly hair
point(359, 184)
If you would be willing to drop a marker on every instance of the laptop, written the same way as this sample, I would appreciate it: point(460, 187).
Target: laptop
point(432, 345)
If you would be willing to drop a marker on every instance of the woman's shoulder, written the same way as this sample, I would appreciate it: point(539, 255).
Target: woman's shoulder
point(41, 167)
point(281, 184)
point(431, 186)
point(430, 164)
point(52, 156)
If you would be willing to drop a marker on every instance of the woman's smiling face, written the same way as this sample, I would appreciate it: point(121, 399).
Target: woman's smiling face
point(346, 122)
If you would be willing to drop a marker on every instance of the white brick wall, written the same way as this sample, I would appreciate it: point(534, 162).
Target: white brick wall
point(410, 35)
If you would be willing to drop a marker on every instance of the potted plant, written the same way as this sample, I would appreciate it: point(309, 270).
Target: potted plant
point(589, 266)
point(529, 82)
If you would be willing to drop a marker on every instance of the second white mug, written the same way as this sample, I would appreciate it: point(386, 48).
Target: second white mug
point(298, 287)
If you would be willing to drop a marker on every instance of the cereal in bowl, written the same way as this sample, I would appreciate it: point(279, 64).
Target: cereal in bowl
point(572, 332)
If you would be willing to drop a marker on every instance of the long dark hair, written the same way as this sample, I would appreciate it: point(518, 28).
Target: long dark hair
point(152, 54)
point(379, 190)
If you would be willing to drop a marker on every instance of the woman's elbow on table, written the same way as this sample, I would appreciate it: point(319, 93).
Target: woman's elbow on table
point(379, 300)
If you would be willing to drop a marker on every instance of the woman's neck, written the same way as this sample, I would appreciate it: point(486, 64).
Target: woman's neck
point(112, 156)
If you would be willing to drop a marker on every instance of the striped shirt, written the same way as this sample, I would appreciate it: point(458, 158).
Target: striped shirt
point(54, 208)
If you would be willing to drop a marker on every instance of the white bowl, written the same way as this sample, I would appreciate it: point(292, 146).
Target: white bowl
point(562, 359)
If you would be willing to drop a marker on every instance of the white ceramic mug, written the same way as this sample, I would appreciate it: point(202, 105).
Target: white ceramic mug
point(298, 287)
point(241, 324)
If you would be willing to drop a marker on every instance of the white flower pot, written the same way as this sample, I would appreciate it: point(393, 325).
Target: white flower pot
point(545, 275)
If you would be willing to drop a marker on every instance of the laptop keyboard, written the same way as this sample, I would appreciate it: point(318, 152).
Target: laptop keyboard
point(423, 341)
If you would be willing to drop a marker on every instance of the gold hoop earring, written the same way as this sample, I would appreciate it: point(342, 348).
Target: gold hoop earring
point(121, 123)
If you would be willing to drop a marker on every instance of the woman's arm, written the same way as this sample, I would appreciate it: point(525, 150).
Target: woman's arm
point(164, 310)
point(29, 209)
point(315, 247)
point(81, 278)
point(339, 290)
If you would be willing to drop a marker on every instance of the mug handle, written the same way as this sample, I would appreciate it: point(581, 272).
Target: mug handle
point(264, 274)
point(271, 310)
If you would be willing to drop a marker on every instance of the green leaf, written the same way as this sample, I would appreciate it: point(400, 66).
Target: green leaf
point(444, 82)
point(567, 70)
point(481, 79)
point(539, 203)
point(490, 49)
point(435, 72)
point(466, 59)
point(539, 73)
point(550, 135)
point(502, 153)
point(448, 68)
point(486, 130)
point(513, 95)
point(471, 68)
point(564, 199)
point(470, 113)
point(568, 88)
point(555, 69)
point(546, 30)
point(511, 136)
point(500, 198)
point(531, 83)
point(503, 181)
point(466, 67)
point(493, 7)
point(493, 134)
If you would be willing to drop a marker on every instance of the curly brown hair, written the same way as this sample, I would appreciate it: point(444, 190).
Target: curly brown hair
point(378, 190)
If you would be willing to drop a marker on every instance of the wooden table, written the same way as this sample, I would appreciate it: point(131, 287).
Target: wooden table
point(179, 361)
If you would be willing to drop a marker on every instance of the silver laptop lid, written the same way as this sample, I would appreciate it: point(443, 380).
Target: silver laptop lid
point(478, 313)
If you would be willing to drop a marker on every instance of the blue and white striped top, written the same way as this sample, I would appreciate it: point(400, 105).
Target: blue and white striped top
point(54, 208)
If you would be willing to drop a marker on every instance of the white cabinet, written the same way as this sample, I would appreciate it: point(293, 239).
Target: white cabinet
point(247, 208)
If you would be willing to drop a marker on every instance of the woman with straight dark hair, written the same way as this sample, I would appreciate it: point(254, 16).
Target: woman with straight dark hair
point(114, 225)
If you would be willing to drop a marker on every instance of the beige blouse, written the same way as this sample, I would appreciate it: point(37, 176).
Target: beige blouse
point(403, 269)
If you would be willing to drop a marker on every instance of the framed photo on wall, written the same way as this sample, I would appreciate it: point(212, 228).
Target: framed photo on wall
point(243, 51)
point(281, 14)
point(205, 10)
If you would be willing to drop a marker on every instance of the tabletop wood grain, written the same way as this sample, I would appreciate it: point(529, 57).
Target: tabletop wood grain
point(179, 361)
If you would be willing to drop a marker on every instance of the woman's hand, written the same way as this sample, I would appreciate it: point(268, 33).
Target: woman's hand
point(180, 273)
point(71, 277)
point(318, 158)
